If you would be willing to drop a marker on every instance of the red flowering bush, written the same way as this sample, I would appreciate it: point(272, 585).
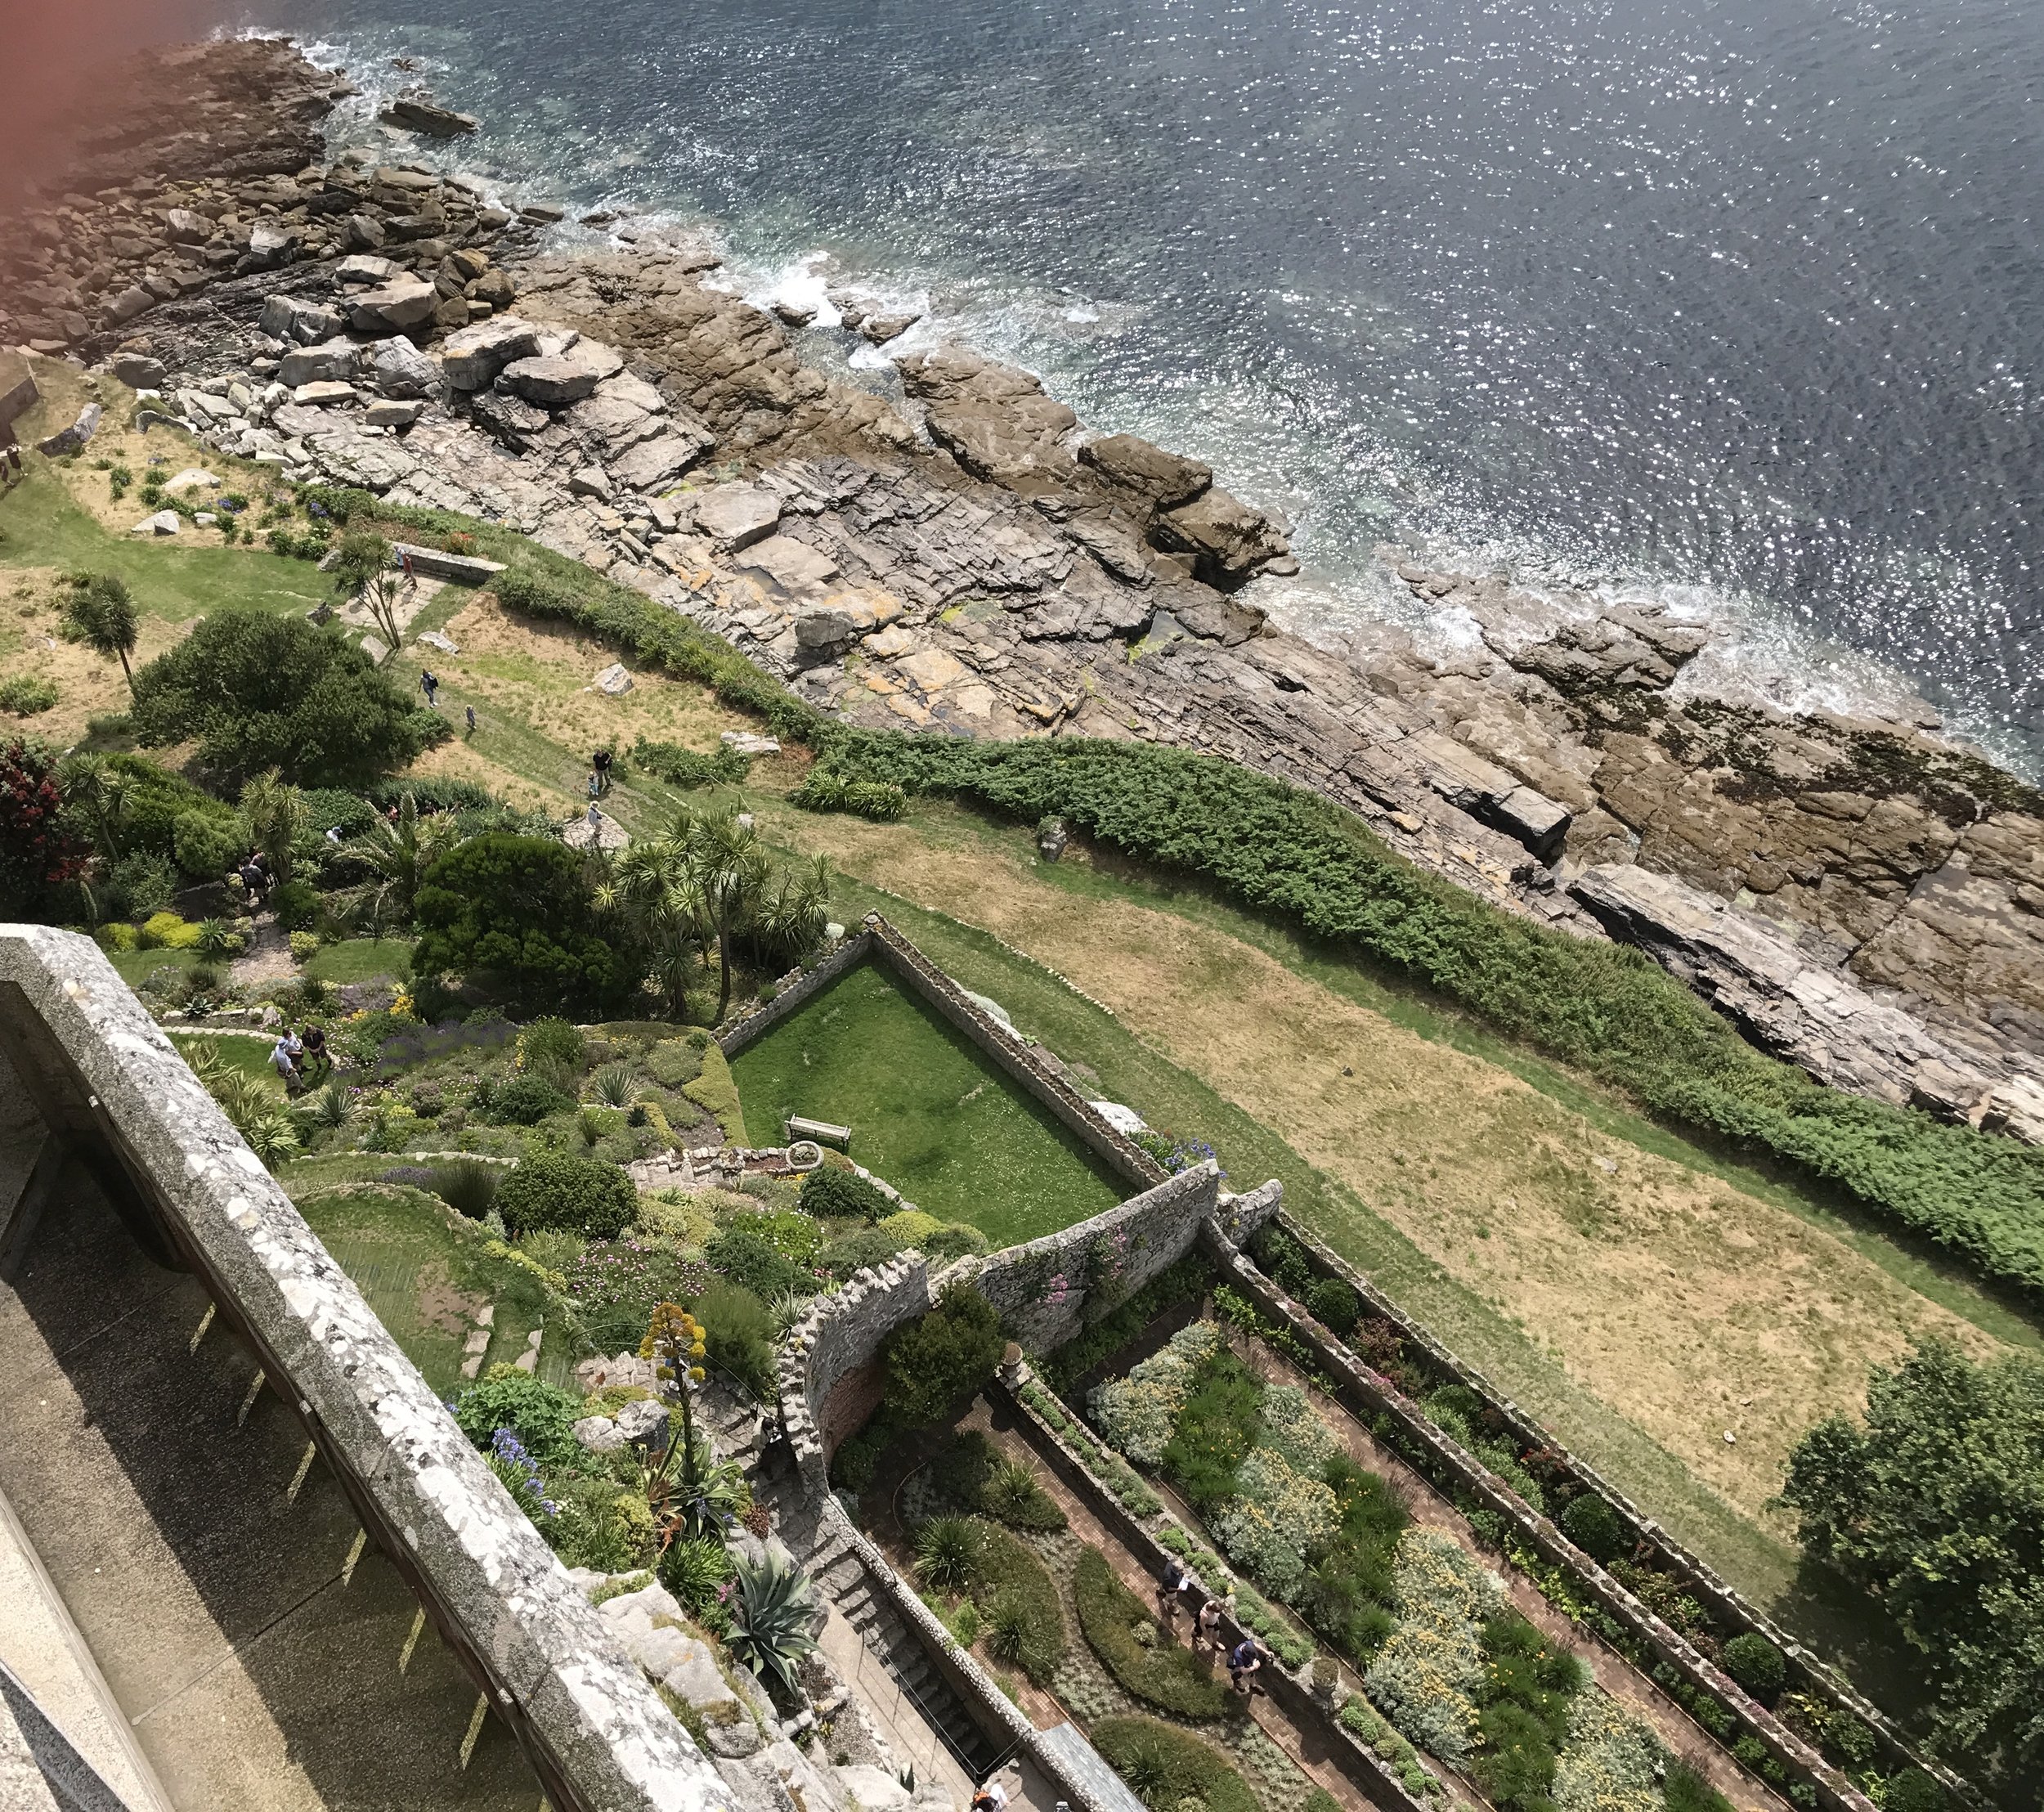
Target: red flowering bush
point(37, 850)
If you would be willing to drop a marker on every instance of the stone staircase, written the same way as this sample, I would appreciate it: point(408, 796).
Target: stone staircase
point(842, 1580)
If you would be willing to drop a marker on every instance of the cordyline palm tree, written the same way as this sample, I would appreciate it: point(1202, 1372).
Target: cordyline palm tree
point(790, 919)
point(105, 793)
point(731, 869)
point(362, 565)
point(654, 885)
point(101, 613)
point(276, 813)
point(398, 855)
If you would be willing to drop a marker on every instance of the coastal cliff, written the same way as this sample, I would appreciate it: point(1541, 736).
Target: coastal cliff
point(1863, 897)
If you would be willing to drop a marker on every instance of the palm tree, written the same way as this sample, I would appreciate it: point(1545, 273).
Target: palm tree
point(361, 565)
point(276, 813)
point(102, 615)
point(731, 869)
point(656, 885)
point(107, 794)
point(398, 854)
point(791, 919)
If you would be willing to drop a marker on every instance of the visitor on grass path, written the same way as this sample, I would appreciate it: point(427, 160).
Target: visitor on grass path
point(296, 1046)
point(430, 684)
point(471, 710)
point(316, 1057)
point(601, 761)
point(1176, 1580)
point(281, 1059)
point(1245, 1661)
point(1206, 1628)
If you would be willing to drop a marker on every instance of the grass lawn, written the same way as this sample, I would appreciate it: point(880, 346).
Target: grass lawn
point(927, 1111)
point(361, 959)
point(426, 1279)
point(135, 966)
point(238, 1052)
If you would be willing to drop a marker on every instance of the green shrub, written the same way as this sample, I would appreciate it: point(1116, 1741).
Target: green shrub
point(1018, 1605)
point(834, 1195)
point(931, 1362)
point(26, 694)
point(526, 1099)
point(1757, 1665)
point(467, 1185)
point(674, 1063)
point(1157, 1671)
point(1284, 1260)
point(1215, 1431)
point(256, 690)
point(518, 909)
point(295, 904)
point(693, 1568)
point(855, 1251)
point(541, 1415)
point(1335, 1305)
point(1684, 1790)
point(208, 844)
point(948, 1553)
point(680, 767)
point(1910, 1790)
point(1604, 1008)
point(1165, 1766)
point(1347, 1590)
point(553, 1042)
point(1593, 1525)
point(140, 884)
point(970, 1471)
point(745, 1254)
point(738, 1335)
point(822, 790)
point(573, 1194)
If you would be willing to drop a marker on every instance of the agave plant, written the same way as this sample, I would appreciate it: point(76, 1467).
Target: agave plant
point(786, 1309)
point(614, 1085)
point(257, 1111)
point(770, 1630)
point(215, 939)
point(334, 1106)
point(947, 1551)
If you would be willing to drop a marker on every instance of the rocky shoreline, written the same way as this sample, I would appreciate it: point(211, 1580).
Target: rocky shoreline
point(1864, 898)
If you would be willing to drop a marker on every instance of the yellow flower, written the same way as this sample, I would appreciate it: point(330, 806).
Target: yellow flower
point(697, 1375)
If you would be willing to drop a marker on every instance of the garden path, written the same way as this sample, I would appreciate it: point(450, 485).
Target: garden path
point(268, 956)
point(1307, 1750)
point(1612, 1671)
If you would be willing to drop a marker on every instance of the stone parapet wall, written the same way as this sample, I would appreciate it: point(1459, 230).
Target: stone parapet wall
point(795, 989)
point(839, 1335)
point(1371, 1395)
point(109, 1085)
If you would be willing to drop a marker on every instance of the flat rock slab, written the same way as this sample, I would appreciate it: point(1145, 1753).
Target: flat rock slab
point(392, 308)
point(191, 477)
point(792, 565)
point(551, 383)
point(737, 515)
point(164, 521)
point(463, 569)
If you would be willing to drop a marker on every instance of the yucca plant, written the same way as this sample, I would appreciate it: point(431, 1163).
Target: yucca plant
point(258, 1112)
point(786, 1309)
point(334, 1106)
point(614, 1085)
point(770, 1630)
point(215, 939)
point(946, 1552)
point(1008, 1628)
point(695, 1568)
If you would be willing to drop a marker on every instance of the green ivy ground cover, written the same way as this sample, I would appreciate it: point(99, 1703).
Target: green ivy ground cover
point(928, 1113)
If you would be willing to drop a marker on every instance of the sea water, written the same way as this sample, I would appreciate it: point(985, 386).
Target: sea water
point(1737, 302)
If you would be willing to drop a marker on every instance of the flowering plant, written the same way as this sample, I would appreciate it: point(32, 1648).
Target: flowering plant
point(1278, 1515)
point(1139, 1413)
point(1425, 1677)
point(520, 1474)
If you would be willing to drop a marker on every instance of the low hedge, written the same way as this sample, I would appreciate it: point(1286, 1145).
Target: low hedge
point(1158, 1672)
point(1166, 1767)
point(1019, 1608)
point(1603, 1008)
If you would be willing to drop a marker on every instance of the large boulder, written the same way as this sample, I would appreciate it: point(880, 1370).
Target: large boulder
point(72, 439)
point(737, 515)
point(1227, 539)
point(271, 246)
point(994, 420)
point(664, 458)
point(139, 372)
point(392, 308)
point(399, 370)
point(332, 361)
point(365, 267)
point(551, 383)
point(293, 318)
point(472, 356)
point(1162, 480)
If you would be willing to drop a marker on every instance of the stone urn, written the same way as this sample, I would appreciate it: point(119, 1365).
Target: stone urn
point(1013, 1370)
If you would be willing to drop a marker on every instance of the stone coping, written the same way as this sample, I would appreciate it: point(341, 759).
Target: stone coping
point(1371, 1394)
point(110, 1082)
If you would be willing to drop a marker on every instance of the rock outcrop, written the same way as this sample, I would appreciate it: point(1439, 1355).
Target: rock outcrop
point(1863, 897)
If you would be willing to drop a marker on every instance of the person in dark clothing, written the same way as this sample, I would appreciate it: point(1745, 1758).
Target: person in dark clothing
point(430, 684)
point(1176, 1578)
point(601, 761)
point(1245, 1661)
point(317, 1062)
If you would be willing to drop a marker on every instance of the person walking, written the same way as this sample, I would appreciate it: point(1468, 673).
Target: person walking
point(1206, 1628)
point(430, 684)
point(316, 1059)
point(1245, 1661)
point(255, 881)
point(600, 762)
point(411, 578)
point(1176, 1578)
point(281, 1061)
point(471, 710)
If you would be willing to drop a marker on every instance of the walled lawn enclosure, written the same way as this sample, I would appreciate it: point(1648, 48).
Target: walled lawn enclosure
point(1663, 1625)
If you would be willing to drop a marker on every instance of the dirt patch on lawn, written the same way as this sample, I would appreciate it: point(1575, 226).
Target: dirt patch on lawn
point(444, 1309)
point(1694, 1310)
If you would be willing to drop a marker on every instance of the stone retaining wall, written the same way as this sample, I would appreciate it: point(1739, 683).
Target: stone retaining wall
point(795, 989)
point(1047, 1291)
point(841, 1334)
point(108, 1084)
point(1370, 1395)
